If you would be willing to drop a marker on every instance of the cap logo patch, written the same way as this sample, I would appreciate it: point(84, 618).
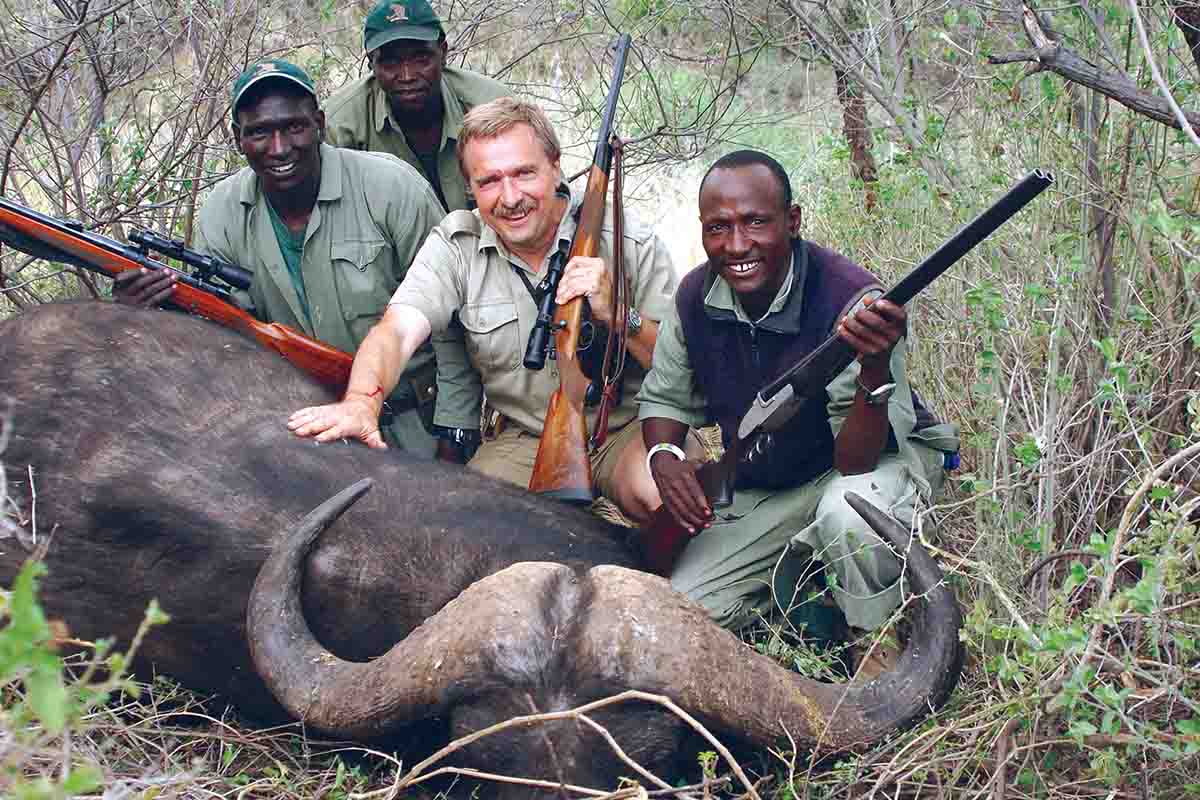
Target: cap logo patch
point(399, 13)
point(265, 68)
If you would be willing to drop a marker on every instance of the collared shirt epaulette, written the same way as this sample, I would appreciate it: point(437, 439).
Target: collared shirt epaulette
point(461, 222)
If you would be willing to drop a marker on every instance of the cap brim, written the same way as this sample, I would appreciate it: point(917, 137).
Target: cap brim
point(422, 33)
point(270, 76)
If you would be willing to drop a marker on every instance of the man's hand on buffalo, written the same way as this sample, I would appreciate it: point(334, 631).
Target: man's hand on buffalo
point(143, 287)
point(355, 417)
point(681, 491)
point(675, 477)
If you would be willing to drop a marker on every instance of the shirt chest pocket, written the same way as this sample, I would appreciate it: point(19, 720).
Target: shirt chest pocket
point(493, 335)
point(363, 280)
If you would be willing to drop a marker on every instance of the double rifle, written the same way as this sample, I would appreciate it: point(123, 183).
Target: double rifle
point(205, 291)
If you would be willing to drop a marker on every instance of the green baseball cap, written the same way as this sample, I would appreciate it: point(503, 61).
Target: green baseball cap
point(273, 69)
point(400, 19)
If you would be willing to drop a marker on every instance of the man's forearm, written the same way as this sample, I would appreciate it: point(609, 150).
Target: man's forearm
point(381, 358)
point(641, 347)
point(864, 434)
point(661, 430)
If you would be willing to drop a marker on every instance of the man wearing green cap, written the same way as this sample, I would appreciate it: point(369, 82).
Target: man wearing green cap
point(412, 104)
point(328, 233)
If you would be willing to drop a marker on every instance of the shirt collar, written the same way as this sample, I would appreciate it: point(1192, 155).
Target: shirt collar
point(331, 179)
point(721, 297)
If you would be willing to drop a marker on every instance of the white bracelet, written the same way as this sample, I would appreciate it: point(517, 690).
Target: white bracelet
point(664, 447)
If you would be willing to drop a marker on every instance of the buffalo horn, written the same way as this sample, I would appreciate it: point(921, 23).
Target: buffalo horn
point(443, 660)
point(645, 635)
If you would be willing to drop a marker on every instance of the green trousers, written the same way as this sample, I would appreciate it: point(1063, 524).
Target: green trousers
point(755, 556)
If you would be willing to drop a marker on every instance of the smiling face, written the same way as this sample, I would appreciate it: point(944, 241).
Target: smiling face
point(410, 72)
point(280, 132)
point(747, 228)
point(514, 182)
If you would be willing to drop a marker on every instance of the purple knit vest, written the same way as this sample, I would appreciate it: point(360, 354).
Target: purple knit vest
point(732, 360)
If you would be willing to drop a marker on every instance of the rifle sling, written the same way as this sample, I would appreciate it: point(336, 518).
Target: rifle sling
point(616, 345)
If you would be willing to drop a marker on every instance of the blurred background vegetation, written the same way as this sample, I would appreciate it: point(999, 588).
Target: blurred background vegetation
point(1065, 346)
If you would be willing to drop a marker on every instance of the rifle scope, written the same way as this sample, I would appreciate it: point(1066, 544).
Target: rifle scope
point(207, 267)
point(541, 335)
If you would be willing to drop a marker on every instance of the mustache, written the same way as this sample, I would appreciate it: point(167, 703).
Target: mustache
point(507, 212)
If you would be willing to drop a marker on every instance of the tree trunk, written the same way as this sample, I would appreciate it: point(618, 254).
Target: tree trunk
point(1187, 18)
point(855, 123)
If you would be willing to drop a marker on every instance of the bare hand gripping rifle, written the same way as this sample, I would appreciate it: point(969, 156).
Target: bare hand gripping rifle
point(776, 403)
point(562, 469)
point(198, 292)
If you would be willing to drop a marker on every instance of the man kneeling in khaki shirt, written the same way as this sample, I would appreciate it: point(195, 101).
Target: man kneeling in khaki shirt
point(483, 265)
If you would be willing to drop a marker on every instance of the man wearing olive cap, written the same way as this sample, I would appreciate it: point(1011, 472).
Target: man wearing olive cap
point(412, 104)
point(328, 234)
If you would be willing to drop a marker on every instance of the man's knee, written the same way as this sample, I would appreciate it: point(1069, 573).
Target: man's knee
point(635, 493)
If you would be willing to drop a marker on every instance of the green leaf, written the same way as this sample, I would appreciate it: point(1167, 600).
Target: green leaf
point(155, 615)
point(1028, 451)
point(84, 779)
point(1188, 727)
point(1081, 728)
point(48, 697)
point(1162, 492)
point(1049, 89)
point(1077, 576)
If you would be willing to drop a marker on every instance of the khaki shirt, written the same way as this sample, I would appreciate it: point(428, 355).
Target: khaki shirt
point(373, 212)
point(359, 117)
point(464, 267)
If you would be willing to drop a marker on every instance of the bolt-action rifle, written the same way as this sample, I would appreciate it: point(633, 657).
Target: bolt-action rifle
point(198, 292)
point(562, 469)
point(664, 538)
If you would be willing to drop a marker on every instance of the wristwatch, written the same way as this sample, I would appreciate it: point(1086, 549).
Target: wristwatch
point(633, 322)
point(463, 437)
point(878, 396)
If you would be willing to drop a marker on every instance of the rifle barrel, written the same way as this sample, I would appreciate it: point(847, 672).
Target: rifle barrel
point(835, 358)
point(603, 155)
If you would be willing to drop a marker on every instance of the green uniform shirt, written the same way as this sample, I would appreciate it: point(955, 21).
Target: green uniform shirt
point(291, 247)
point(372, 214)
point(464, 267)
point(360, 118)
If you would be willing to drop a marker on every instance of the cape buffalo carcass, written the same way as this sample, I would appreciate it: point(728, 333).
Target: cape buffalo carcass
point(163, 468)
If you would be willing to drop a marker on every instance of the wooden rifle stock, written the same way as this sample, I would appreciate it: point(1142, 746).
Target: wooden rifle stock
point(52, 239)
point(662, 541)
point(563, 469)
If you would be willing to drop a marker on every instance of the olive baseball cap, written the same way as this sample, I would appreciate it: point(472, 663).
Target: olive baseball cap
point(400, 19)
point(273, 69)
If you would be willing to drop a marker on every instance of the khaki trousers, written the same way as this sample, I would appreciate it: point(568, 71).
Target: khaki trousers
point(510, 456)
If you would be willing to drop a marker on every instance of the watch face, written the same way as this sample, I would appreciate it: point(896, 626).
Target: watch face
point(633, 321)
